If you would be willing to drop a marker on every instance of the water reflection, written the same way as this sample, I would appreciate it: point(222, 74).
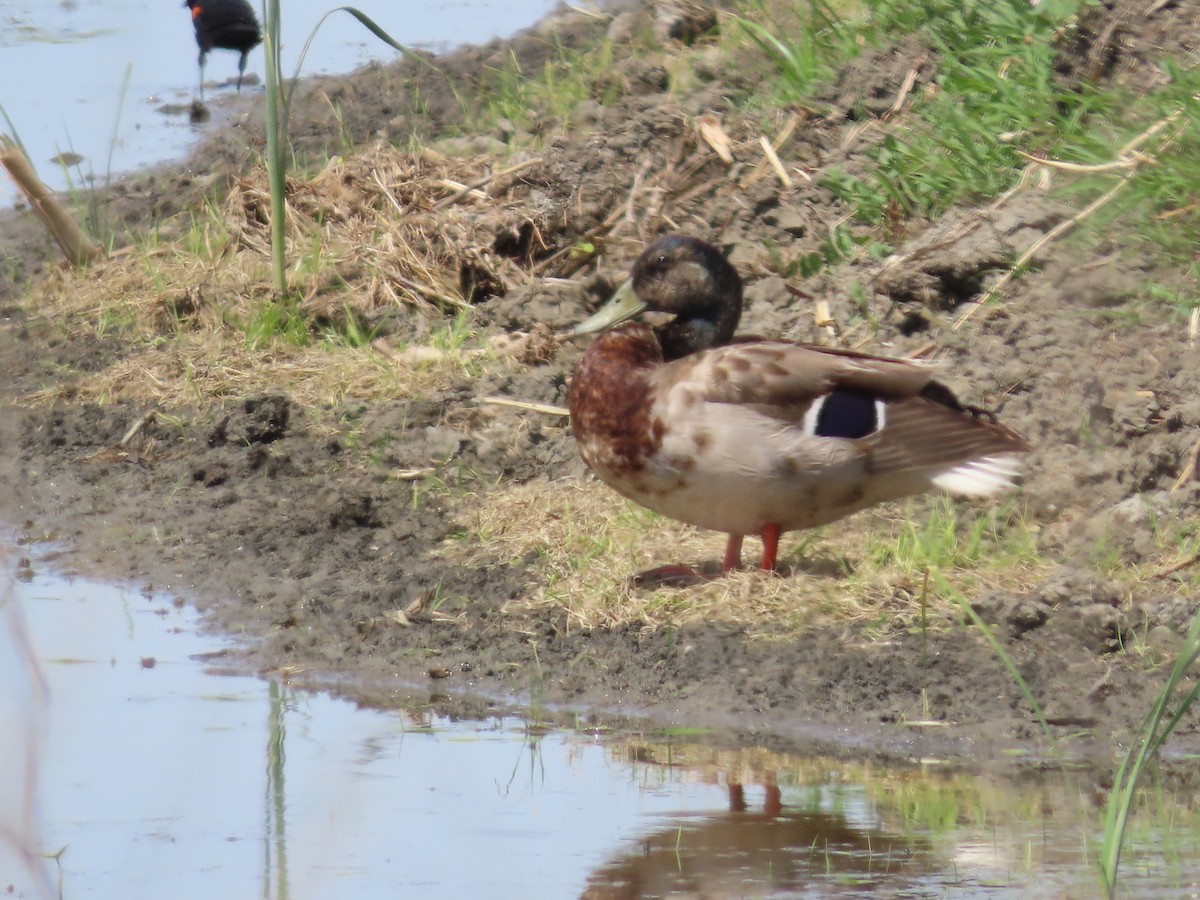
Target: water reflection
point(160, 779)
point(754, 852)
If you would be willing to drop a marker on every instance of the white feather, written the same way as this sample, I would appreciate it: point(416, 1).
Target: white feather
point(980, 477)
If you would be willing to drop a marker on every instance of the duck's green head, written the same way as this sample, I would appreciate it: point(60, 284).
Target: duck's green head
point(686, 277)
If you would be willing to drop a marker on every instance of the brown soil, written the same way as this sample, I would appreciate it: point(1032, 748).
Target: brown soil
point(261, 512)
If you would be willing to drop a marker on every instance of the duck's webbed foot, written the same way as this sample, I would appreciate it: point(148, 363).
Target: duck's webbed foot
point(674, 576)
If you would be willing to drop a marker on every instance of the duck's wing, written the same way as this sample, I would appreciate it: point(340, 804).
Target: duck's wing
point(890, 412)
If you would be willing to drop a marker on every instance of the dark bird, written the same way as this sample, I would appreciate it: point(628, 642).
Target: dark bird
point(226, 25)
point(756, 436)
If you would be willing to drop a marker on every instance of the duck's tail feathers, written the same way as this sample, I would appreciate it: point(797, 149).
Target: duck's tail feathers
point(981, 477)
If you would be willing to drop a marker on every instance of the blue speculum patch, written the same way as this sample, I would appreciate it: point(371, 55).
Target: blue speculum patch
point(847, 414)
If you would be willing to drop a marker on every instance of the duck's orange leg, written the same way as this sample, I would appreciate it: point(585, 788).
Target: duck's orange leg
point(770, 539)
point(733, 554)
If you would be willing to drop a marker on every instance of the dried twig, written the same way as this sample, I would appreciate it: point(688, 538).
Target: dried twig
point(906, 86)
point(411, 474)
point(823, 320)
point(1189, 470)
point(1057, 231)
point(710, 130)
point(773, 159)
point(137, 426)
point(1127, 158)
point(531, 407)
point(794, 121)
point(1127, 162)
point(481, 182)
point(923, 352)
point(383, 189)
point(630, 215)
point(462, 189)
point(1178, 566)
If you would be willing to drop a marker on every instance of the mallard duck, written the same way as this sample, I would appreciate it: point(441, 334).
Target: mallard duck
point(756, 436)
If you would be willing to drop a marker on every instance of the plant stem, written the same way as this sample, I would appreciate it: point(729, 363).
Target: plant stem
point(276, 169)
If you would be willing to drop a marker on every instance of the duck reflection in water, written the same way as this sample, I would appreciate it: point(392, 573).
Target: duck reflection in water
point(757, 848)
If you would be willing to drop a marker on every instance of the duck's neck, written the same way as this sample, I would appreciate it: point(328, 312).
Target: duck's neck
point(710, 328)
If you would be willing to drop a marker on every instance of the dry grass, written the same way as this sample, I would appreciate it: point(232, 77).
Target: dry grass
point(381, 242)
point(398, 224)
point(206, 371)
point(587, 544)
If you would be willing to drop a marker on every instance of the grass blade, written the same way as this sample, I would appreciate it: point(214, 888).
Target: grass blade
point(998, 649)
point(1152, 734)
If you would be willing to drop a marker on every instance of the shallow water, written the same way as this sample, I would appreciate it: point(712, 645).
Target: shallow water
point(64, 65)
point(157, 777)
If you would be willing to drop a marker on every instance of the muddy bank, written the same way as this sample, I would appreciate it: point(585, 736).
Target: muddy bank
point(343, 539)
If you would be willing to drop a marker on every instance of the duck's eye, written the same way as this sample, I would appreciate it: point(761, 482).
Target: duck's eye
point(662, 259)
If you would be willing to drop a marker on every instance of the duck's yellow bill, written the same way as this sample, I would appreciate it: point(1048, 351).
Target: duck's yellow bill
point(622, 306)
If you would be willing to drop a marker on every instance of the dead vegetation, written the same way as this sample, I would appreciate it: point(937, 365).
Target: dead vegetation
point(387, 247)
point(589, 544)
point(394, 229)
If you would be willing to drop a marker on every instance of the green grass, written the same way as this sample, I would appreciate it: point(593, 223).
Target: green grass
point(455, 334)
point(278, 320)
point(996, 104)
point(278, 110)
point(1159, 208)
point(950, 537)
point(1176, 541)
point(804, 43)
point(350, 331)
point(1161, 720)
point(528, 98)
point(995, 94)
point(940, 544)
point(842, 244)
point(1178, 299)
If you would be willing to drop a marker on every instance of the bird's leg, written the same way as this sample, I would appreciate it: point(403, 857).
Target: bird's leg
point(733, 554)
point(773, 802)
point(241, 71)
point(770, 539)
point(201, 74)
point(737, 797)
